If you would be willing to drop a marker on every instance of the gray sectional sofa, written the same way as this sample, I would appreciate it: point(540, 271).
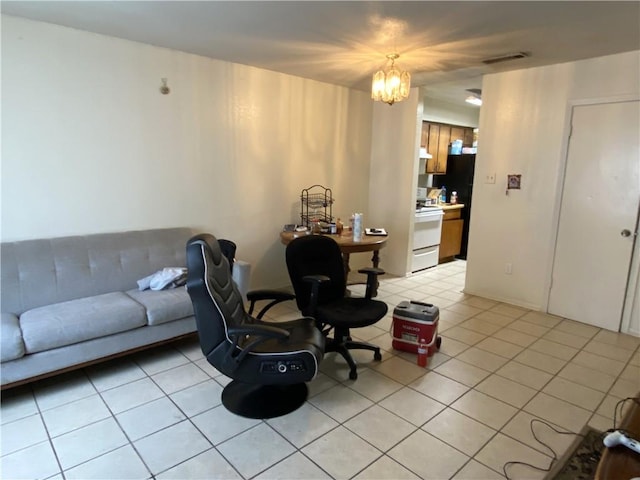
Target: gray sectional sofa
point(72, 301)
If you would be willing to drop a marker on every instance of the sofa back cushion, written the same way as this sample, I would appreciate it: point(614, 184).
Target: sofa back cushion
point(41, 272)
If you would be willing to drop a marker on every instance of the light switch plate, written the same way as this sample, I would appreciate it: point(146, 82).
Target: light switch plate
point(490, 178)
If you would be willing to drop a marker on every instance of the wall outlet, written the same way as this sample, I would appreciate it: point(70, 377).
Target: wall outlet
point(507, 268)
point(490, 178)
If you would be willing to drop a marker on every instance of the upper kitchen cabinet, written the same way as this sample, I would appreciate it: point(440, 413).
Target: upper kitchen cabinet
point(437, 138)
point(436, 141)
point(457, 133)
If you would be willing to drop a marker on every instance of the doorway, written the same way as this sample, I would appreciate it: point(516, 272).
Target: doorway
point(598, 215)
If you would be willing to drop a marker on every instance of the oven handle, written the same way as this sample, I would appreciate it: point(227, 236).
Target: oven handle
point(429, 219)
point(416, 254)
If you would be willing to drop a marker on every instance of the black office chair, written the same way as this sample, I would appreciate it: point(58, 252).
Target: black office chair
point(228, 249)
point(319, 281)
point(268, 362)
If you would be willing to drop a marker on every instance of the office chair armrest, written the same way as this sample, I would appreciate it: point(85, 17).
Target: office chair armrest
point(266, 331)
point(275, 295)
point(315, 281)
point(372, 280)
point(261, 332)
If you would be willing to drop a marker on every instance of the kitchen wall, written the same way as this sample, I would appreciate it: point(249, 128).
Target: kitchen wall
point(436, 110)
point(523, 130)
point(90, 145)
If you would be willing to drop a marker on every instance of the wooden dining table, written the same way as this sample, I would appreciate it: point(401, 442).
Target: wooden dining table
point(369, 243)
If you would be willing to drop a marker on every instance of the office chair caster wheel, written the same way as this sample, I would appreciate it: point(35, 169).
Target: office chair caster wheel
point(377, 356)
point(438, 342)
point(353, 375)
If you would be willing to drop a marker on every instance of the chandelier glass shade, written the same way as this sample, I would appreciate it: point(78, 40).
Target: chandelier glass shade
point(390, 84)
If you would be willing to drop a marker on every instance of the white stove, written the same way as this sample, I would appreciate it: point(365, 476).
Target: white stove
point(426, 237)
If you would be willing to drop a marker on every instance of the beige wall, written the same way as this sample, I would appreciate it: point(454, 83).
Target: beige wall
point(394, 173)
point(523, 130)
point(90, 145)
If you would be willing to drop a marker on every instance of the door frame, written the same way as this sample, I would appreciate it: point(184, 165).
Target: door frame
point(555, 219)
point(632, 284)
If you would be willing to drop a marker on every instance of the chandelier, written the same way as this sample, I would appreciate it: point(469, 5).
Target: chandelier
point(390, 84)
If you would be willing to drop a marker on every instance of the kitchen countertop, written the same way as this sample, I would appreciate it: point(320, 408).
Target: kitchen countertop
point(448, 206)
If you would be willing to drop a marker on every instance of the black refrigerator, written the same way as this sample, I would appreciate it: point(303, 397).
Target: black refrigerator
point(459, 178)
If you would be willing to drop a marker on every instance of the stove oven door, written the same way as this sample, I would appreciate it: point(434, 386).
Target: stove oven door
point(426, 239)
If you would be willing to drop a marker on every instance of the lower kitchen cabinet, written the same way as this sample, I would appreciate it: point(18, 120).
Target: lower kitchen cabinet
point(451, 238)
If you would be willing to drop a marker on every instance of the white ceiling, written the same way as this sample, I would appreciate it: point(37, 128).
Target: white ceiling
point(440, 43)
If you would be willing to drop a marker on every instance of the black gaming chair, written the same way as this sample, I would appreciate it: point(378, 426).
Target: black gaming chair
point(268, 362)
point(317, 274)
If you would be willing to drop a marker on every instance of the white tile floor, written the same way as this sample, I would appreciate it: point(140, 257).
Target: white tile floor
point(157, 414)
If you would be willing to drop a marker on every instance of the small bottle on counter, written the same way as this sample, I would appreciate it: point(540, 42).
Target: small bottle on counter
point(454, 198)
point(339, 227)
point(443, 195)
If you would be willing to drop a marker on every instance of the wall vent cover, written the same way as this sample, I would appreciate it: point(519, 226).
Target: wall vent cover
point(505, 58)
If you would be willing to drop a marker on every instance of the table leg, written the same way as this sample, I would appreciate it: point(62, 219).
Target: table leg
point(345, 261)
point(375, 259)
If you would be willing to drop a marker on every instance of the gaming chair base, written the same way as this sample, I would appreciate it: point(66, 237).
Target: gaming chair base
point(263, 401)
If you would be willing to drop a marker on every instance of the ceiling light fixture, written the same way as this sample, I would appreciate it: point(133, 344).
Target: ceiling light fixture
point(390, 84)
point(473, 100)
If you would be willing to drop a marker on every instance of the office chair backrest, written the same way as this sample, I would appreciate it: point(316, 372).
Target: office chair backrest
point(217, 303)
point(315, 255)
point(228, 249)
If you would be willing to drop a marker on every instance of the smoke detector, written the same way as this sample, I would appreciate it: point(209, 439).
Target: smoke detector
point(505, 58)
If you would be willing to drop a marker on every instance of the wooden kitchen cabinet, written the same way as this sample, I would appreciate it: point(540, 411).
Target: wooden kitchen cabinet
point(467, 140)
point(437, 138)
point(457, 133)
point(437, 144)
point(424, 137)
point(451, 237)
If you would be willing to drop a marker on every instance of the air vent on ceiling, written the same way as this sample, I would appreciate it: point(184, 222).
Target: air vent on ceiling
point(475, 91)
point(505, 58)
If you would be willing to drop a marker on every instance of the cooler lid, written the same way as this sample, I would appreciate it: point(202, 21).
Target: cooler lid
point(417, 310)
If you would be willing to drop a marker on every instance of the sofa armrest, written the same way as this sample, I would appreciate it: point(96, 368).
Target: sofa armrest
point(241, 274)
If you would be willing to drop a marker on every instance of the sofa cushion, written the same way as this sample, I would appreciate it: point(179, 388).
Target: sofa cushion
point(75, 321)
point(11, 344)
point(164, 305)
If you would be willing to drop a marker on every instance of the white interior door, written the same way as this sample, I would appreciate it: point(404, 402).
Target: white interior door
point(600, 203)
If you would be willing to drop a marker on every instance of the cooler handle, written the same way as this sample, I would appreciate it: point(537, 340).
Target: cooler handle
point(415, 302)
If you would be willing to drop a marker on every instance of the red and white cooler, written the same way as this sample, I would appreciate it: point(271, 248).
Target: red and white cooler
point(415, 323)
